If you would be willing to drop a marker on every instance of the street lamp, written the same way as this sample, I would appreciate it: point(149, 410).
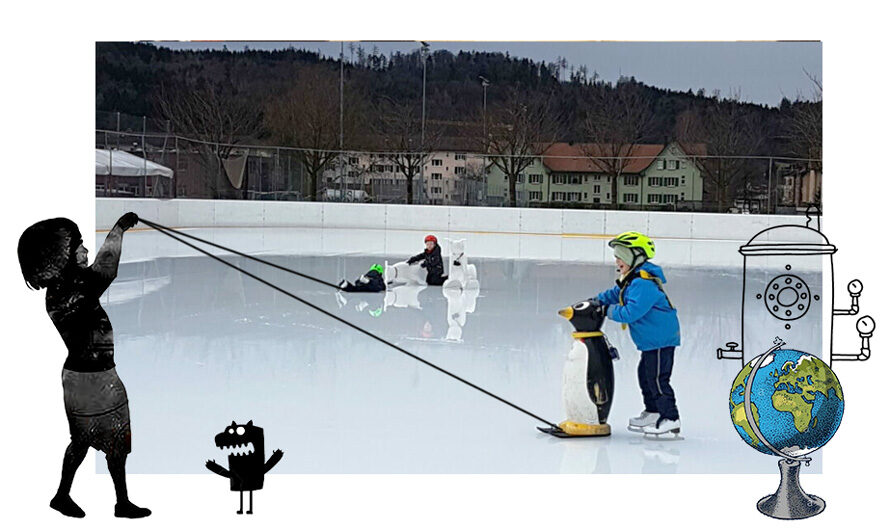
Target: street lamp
point(424, 49)
point(485, 84)
point(342, 169)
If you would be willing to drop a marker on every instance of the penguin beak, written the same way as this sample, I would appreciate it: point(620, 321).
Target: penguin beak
point(567, 313)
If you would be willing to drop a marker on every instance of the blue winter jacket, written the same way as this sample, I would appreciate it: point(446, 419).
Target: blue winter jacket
point(653, 322)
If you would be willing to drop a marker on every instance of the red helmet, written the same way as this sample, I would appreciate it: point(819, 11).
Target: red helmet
point(431, 238)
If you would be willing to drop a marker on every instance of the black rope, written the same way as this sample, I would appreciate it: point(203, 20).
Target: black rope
point(159, 228)
point(170, 233)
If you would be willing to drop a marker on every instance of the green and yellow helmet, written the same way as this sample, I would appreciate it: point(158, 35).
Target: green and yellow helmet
point(638, 243)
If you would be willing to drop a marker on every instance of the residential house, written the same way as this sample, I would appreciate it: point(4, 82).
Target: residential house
point(578, 174)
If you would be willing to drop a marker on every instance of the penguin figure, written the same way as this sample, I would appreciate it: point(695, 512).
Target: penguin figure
point(588, 381)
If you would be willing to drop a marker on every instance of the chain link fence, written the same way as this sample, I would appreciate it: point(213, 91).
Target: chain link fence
point(210, 170)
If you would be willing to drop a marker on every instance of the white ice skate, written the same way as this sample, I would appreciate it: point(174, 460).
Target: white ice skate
point(664, 426)
point(645, 419)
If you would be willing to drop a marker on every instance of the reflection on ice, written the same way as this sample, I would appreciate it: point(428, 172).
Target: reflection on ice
point(200, 344)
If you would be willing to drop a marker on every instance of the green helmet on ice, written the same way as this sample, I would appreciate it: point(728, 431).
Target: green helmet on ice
point(377, 268)
point(635, 240)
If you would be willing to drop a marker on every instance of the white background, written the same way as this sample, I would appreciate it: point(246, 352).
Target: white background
point(48, 120)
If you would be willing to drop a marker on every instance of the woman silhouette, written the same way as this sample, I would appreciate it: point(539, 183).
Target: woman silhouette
point(52, 256)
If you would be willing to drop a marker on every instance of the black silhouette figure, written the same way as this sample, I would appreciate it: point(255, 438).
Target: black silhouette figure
point(52, 256)
point(247, 460)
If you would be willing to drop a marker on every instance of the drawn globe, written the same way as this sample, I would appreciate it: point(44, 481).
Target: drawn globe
point(796, 403)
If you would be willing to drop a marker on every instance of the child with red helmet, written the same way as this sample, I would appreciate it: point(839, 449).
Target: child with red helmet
point(431, 260)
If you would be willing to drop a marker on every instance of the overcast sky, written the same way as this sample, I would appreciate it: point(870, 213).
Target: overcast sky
point(763, 72)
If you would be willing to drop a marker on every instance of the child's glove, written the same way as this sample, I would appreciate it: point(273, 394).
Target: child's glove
point(601, 308)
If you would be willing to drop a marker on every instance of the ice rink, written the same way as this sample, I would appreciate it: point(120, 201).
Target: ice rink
point(199, 345)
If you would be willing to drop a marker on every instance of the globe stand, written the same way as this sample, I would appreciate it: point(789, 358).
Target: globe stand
point(790, 501)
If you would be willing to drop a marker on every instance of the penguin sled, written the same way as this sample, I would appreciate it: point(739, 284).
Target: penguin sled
point(588, 382)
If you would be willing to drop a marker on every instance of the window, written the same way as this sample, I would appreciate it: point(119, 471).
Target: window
point(558, 196)
point(673, 164)
point(631, 181)
point(353, 160)
point(437, 162)
point(534, 195)
point(585, 195)
point(666, 198)
point(596, 178)
point(659, 164)
point(460, 171)
point(558, 179)
point(596, 200)
point(436, 176)
point(575, 179)
point(655, 181)
point(520, 178)
point(671, 181)
point(574, 196)
point(535, 178)
point(596, 188)
point(353, 174)
point(460, 156)
point(630, 197)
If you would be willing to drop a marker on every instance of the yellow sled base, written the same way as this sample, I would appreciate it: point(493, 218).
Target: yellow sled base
point(570, 429)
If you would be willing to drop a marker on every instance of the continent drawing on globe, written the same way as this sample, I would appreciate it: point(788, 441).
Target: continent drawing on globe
point(797, 386)
point(796, 402)
point(737, 405)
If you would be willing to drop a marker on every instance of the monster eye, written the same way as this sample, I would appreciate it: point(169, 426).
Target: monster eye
point(581, 306)
point(230, 430)
point(239, 430)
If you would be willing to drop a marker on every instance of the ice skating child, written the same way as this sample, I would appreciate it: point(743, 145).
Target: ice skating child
point(640, 302)
point(52, 256)
point(370, 282)
point(431, 260)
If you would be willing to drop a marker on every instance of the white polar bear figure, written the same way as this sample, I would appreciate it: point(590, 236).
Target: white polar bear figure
point(402, 273)
point(460, 302)
point(461, 274)
point(403, 296)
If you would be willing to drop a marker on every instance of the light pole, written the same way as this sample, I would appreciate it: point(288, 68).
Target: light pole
point(424, 49)
point(342, 168)
point(485, 84)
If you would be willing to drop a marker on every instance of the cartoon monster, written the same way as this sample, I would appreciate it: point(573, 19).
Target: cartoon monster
point(247, 460)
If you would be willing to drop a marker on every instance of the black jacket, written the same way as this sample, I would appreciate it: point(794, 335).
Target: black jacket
point(432, 262)
point(374, 284)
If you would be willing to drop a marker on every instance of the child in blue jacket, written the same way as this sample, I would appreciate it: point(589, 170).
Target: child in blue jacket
point(639, 302)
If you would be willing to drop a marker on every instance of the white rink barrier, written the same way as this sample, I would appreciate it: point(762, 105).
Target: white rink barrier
point(691, 239)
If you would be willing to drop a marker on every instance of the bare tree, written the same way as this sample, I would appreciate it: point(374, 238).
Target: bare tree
point(307, 116)
point(219, 115)
point(729, 133)
point(617, 122)
point(398, 131)
point(519, 131)
point(805, 127)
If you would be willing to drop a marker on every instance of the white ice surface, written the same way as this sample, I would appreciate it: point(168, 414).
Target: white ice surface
point(199, 345)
